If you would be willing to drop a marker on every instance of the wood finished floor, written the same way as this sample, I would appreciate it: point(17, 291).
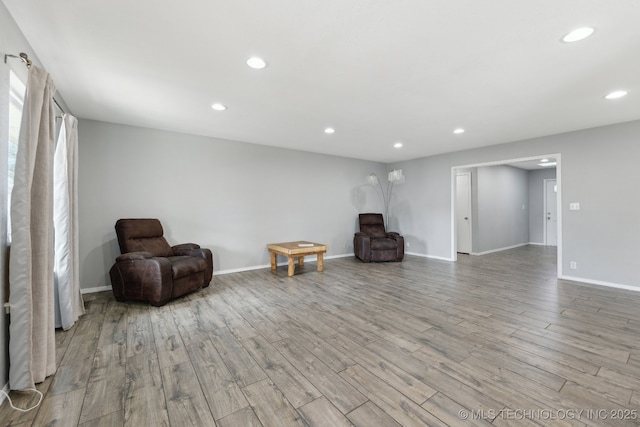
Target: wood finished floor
point(393, 344)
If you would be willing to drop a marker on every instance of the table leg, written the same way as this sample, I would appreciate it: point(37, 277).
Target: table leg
point(320, 261)
point(301, 261)
point(273, 261)
point(292, 266)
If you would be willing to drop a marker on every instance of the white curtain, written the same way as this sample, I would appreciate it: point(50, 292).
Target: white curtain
point(32, 331)
point(68, 298)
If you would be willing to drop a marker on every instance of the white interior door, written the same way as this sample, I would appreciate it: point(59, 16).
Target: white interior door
point(463, 212)
point(550, 212)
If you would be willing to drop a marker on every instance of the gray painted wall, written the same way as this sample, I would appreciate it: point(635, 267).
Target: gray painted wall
point(497, 195)
point(536, 203)
point(231, 197)
point(500, 220)
point(595, 163)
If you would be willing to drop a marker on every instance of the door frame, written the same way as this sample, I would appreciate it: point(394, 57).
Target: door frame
point(557, 156)
point(544, 229)
point(470, 210)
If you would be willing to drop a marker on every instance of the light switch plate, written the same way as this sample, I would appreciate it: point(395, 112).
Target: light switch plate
point(574, 206)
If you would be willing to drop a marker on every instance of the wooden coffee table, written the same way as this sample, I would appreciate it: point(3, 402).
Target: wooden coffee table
point(299, 250)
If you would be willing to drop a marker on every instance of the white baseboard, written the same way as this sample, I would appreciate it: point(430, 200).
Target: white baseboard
point(240, 270)
point(339, 256)
point(258, 267)
point(428, 256)
point(2, 395)
point(221, 272)
point(500, 249)
point(280, 264)
point(536, 244)
point(601, 283)
point(94, 290)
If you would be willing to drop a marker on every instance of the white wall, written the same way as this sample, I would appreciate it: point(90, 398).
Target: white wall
point(536, 203)
point(231, 197)
point(602, 237)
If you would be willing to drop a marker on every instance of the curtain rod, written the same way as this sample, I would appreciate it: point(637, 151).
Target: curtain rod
point(25, 59)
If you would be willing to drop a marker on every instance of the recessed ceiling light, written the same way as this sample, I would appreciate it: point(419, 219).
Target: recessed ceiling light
point(329, 130)
point(256, 62)
point(578, 34)
point(459, 130)
point(544, 160)
point(397, 145)
point(616, 94)
point(219, 107)
point(547, 164)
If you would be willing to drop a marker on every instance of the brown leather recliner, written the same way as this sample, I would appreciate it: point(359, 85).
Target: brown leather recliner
point(374, 244)
point(150, 270)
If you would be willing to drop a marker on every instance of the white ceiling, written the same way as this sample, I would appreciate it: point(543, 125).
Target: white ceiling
point(378, 71)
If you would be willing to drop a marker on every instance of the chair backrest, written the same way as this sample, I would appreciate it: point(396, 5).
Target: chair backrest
point(372, 224)
point(142, 235)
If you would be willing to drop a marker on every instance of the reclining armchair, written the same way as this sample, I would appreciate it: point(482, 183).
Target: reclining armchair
point(374, 244)
point(150, 270)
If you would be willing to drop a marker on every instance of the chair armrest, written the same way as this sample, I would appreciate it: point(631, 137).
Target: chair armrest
point(184, 247)
point(400, 241)
point(362, 246)
point(191, 249)
point(134, 255)
point(147, 279)
point(400, 252)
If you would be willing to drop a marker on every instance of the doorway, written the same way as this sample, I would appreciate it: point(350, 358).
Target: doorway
point(458, 170)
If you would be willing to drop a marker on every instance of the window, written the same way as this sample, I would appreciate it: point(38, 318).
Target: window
point(16, 101)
